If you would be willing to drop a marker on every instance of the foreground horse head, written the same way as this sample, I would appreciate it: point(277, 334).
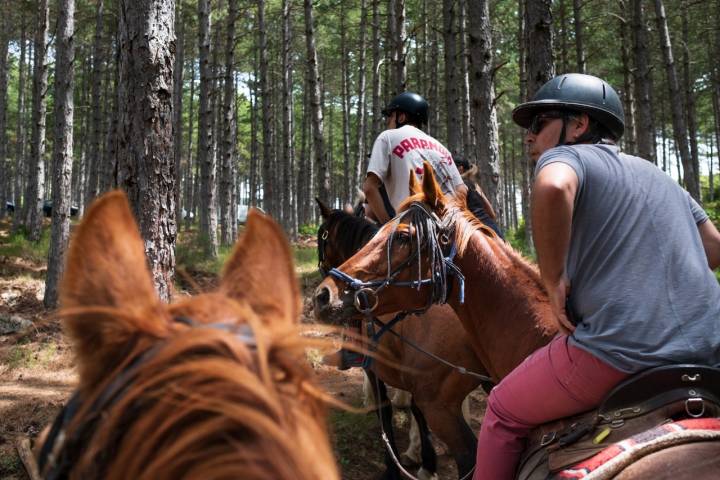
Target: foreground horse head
point(214, 386)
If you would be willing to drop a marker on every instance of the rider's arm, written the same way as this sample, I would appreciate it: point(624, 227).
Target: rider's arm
point(711, 243)
point(552, 204)
point(371, 188)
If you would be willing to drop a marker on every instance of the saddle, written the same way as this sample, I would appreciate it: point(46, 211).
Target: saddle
point(640, 403)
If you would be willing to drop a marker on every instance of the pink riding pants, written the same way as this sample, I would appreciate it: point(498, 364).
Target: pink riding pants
point(556, 381)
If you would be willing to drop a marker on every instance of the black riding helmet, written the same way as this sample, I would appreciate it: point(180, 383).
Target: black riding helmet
point(580, 93)
point(411, 104)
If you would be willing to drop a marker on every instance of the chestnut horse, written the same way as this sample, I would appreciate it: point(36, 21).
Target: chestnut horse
point(506, 311)
point(438, 391)
point(213, 386)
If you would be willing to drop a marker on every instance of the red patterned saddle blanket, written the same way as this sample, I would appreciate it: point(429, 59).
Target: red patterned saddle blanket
point(616, 457)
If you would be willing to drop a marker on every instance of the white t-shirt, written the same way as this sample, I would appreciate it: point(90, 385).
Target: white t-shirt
point(399, 151)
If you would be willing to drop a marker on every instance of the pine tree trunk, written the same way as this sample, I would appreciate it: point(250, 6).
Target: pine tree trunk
point(360, 162)
point(190, 170)
point(178, 110)
point(206, 159)
point(691, 177)
point(483, 98)
point(254, 147)
point(62, 149)
point(20, 169)
point(227, 151)
point(643, 86)
point(562, 67)
point(288, 130)
point(5, 167)
point(108, 164)
point(377, 62)
point(628, 94)
point(146, 160)
point(434, 127)
point(690, 95)
point(465, 105)
point(398, 64)
point(452, 91)
point(579, 46)
point(316, 115)
point(98, 54)
point(345, 99)
point(36, 185)
point(540, 68)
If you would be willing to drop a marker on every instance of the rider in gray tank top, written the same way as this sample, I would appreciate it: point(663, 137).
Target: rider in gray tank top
point(639, 300)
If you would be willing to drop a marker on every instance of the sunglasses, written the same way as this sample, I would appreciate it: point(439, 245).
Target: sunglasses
point(540, 120)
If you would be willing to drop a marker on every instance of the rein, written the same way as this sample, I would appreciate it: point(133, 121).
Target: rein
point(429, 232)
point(60, 450)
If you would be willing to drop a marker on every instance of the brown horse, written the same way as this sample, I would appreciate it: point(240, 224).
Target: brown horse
point(213, 386)
point(437, 390)
point(506, 311)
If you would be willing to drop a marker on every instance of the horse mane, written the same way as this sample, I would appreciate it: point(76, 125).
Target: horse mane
point(351, 232)
point(212, 407)
point(466, 225)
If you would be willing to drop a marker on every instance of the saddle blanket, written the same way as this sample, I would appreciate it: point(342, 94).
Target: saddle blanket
point(613, 459)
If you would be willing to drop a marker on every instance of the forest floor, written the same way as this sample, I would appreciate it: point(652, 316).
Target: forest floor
point(37, 375)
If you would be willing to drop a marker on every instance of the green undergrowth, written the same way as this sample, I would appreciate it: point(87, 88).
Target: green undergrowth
point(190, 255)
point(18, 245)
point(31, 355)
point(355, 435)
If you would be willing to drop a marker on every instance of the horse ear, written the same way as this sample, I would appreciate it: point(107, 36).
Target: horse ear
point(261, 272)
point(324, 210)
point(414, 185)
point(106, 270)
point(433, 194)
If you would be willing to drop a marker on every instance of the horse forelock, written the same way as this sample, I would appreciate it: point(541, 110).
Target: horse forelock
point(202, 403)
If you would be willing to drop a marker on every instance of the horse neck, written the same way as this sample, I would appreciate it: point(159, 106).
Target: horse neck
point(506, 311)
point(359, 232)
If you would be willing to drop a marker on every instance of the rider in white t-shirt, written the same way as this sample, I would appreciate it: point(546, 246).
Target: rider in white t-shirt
point(402, 149)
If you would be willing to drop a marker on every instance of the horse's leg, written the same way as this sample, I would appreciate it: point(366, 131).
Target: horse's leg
point(385, 415)
point(448, 423)
point(427, 451)
point(411, 455)
point(698, 461)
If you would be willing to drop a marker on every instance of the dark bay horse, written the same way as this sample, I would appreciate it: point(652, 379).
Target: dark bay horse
point(438, 391)
point(506, 311)
point(213, 386)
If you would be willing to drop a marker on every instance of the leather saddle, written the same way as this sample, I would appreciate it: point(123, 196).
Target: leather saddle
point(641, 402)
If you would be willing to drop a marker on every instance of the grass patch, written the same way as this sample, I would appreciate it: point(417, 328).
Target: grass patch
point(305, 259)
point(17, 245)
point(355, 436)
point(30, 356)
point(9, 464)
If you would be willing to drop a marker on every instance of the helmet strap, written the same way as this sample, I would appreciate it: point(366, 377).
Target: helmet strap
point(561, 140)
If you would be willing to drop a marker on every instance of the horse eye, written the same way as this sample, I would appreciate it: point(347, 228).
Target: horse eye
point(402, 237)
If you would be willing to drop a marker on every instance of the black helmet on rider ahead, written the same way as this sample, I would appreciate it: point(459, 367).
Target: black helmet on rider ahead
point(412, 104)
point(576, 92)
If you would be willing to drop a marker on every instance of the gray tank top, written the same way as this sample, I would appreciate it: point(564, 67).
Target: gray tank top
point(641, 289)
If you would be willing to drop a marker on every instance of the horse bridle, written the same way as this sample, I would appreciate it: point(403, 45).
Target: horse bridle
point(59, 451)
point(430, 232)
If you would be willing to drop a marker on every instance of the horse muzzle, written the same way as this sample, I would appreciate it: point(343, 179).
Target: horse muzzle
point(332, 305)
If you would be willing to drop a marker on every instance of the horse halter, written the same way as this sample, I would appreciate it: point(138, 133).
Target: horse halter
point(429, 232)
point(60, 451)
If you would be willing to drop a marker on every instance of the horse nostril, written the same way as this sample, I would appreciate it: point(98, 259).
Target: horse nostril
point(322, 297)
